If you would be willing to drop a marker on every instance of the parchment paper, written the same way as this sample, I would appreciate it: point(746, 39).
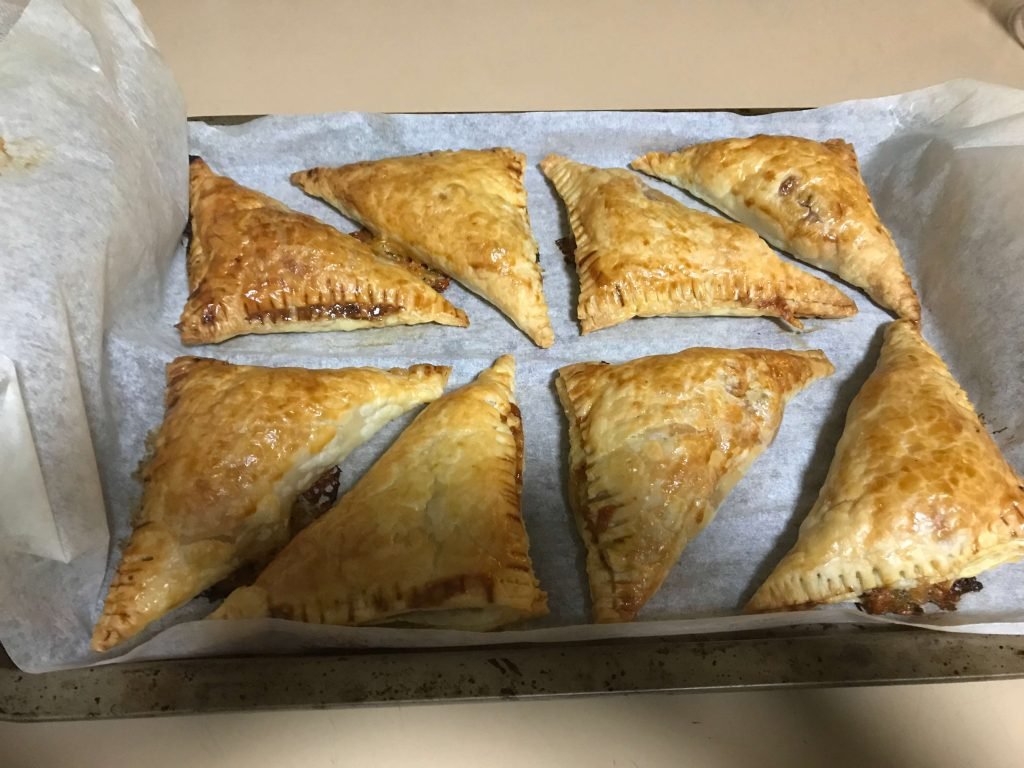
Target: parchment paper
point(943, 165)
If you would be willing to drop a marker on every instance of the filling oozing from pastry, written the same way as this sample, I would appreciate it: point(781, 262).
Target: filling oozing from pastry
point(316, 499)
point(910, 602)
point(308, 312)
point(567, 245)
point(436, 280)
point(309, 505)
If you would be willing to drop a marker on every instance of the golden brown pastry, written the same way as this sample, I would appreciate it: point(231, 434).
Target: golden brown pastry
point(237, 445)
point(917, 502)
point(256, 266)
point(462, 213)
point(639, 253)
point(805, 197)
point(431, 535)
point(656, 444)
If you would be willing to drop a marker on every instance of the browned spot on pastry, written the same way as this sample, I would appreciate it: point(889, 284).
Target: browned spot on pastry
point(598, 522)
point(908, 602)
point(787, 185)
point(779, 307)
point(630, 599)
point(437, 592)
point(811, 216)
point(209, 315)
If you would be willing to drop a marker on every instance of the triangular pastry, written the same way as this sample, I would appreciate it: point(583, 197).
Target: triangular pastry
point(256, 266)
point(918, 499)
point(461, 212)
point(237, 445)
point(656, 444)
point(803, 196)
point(431, 535)
point(639, 253)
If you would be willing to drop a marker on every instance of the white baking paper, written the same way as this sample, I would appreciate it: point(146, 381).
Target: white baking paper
point(92, 199)
point(28, 526)
point(944, 167)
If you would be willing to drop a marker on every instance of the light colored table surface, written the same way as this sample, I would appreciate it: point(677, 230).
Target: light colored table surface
point(971, 724)
point(489, 55)
point(256, 56)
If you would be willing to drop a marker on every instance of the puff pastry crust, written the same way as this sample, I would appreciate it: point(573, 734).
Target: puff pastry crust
point(256, 266)
point(656, 444)
point(432, 535)
point(639, 253)
point(803, 196)
point(237, 445)
point(460, 212)
point(918, 493)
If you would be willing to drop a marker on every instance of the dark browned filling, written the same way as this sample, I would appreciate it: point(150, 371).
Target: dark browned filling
point(315, 500)
point(909, 602)
point(209, 316)
point(349, 311)
point(436, 280)
point(308, 506)
point(514, 421)
point(567, 245)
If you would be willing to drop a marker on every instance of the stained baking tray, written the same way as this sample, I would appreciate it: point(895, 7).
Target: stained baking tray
point(825, 656)
point(797, 657)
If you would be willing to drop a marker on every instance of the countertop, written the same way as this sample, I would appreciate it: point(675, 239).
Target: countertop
point(262, 56)
point(491, 55)
point(968, 724)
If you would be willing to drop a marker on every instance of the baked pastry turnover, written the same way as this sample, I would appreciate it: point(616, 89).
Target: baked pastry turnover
point(237, 445)
point(256, 266)
point(639, 253)
point(431, 535)
point(917, 502)
point(656, 444)
point(803, 196)
point(462, 213)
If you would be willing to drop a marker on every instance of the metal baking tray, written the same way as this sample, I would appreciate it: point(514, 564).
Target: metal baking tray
point(797, 657)
point(824, 656)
